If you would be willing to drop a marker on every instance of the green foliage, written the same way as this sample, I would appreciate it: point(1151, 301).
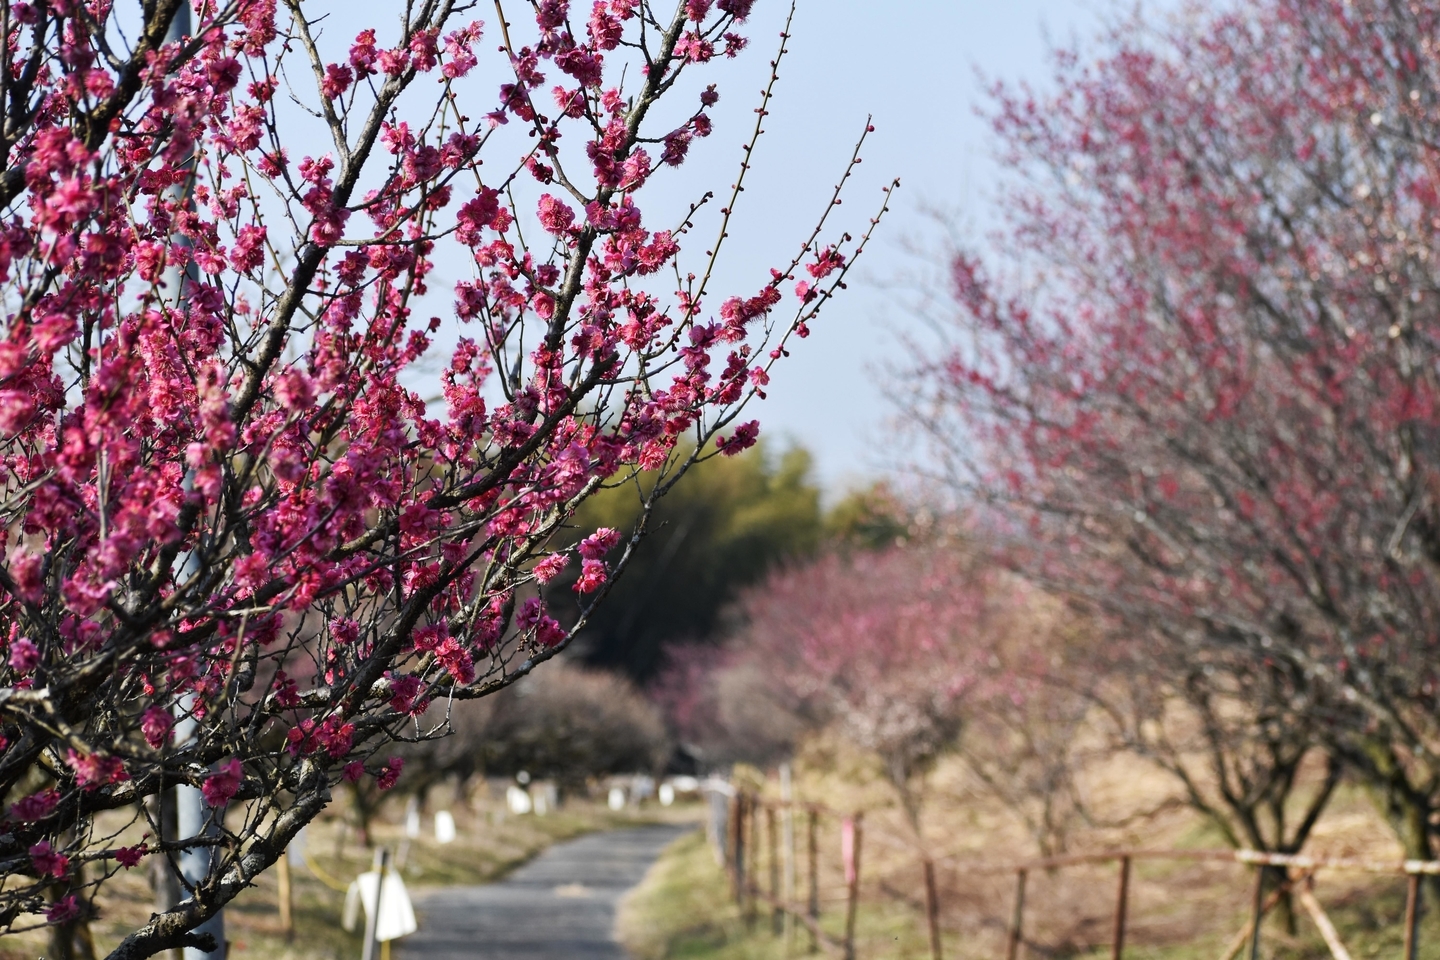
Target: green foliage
point(722, 527)
point(872, 518)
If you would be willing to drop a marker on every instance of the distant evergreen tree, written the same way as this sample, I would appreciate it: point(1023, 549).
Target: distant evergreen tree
point(723, 527)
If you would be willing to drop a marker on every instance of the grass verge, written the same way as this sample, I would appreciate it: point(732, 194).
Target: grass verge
point(684, 910)
point(489, 845)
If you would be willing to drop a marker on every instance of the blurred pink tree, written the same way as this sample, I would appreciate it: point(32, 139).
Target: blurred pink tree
point(1201, 400)
point(889, 648)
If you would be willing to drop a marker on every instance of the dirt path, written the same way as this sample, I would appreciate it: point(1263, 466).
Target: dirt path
point(559, 906)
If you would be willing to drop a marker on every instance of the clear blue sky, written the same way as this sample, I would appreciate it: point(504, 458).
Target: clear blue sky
point(912, 65)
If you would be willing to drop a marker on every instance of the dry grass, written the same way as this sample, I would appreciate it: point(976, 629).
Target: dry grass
point(1179, 910)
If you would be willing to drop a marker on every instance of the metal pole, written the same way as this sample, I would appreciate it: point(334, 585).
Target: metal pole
point(372, 920)
point(1017, 919)
point(717, 826)
point(1117, 948)
point(853, 894)
point(173, 277)
point(1412, 914)
point(160, 810)
point(1259, 912)
point(814, 875)
point(194, 820)
point(932, 909)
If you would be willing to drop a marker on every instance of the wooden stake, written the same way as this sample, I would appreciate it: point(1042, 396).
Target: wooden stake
point(1017, 919)
point(370, 950)
point(932, 909)
point(1258, 912)
point(777, 919)
point(1412, 915)
point(852, 901)
point(737, 847)
point(1117, 947)
point(287, 899)
point(1243, 935)
point(752, 844)
point(787, 849)
point(1327, 929)
point(814, 877)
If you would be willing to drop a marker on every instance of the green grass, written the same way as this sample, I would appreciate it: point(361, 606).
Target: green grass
point(684, 910)
point(488, 847)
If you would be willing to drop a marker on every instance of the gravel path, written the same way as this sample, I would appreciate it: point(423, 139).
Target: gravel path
point(559, 906)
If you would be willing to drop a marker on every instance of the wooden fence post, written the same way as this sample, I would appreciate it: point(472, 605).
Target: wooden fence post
point(1328, 933)
point(777, 918)
point(1017, 919)
point(371, 948)
point(852, 900)
point(1122, 899)
point(1259, 913)
point(814, 877)
point(787, 849)
point(737, 846)
point(287, 897)
point(1412, 914)
point(752, 887)
point(932, 909)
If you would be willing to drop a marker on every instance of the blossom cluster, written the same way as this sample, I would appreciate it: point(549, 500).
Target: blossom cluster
point(228, 508)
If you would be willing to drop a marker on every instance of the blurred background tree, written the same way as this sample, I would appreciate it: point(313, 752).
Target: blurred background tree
point(729, 522)
point(729, 525)
point(869, 518)
point(565, 723)
point(569, 725)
